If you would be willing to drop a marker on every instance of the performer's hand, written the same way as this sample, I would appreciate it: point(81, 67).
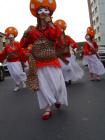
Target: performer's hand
point(28, 55)
point(66, 62)
point(48, 19)
point(90, 53)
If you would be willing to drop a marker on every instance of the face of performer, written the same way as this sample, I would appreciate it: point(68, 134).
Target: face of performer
point(62, 29)
point(63, 32)
point(11, 37)
point(88, 38)
point(43, 13)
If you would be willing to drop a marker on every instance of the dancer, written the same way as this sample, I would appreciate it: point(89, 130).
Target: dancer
point(14, 54)
point(96, 68)
point(70, 68)
point(45, 74)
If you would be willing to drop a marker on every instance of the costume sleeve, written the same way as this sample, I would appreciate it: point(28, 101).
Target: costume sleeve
point(86, 49)
point(95, 46)
point(29, 49)
point(30, 35)
point(72, 43)
point(24, 42)
point(53, 33)
point(21, 52)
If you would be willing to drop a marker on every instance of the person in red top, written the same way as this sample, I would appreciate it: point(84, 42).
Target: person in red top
point(44, 75)
point(90, 49)
point(14, 54)
point(71, 70)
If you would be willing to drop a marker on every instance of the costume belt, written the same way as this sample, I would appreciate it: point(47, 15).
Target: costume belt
point(12, 55)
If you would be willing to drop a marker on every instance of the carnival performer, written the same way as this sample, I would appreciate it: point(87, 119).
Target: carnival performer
point(70, 68)
point(90, 49)
point(14, 54)
point(45, 75)
point(76, 69)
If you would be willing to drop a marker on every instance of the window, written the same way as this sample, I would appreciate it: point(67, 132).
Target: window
point(95, 10)
point(99, 38)
point(94, 1)
point(92, 4)
point(98, 29)
point(94, 22)
point(96, 39)
point(97, 19)
point(95, 30)
point(93, 14)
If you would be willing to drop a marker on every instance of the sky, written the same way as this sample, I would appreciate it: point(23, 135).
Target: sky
point(16, 13)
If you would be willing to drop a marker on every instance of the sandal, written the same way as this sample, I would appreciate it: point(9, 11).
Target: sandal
point(98, 78)
point(47, 115)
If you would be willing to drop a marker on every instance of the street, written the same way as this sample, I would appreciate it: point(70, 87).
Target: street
point(83, 119)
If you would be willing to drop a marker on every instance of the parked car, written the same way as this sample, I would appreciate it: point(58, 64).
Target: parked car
point(101, 53)
point(2, 73)
point(6, 71)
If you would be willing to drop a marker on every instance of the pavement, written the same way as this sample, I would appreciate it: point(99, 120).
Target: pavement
point(83, 119)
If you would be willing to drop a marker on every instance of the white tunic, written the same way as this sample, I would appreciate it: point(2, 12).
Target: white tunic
point(72, 71)
point(52, 87)
point(94, 64)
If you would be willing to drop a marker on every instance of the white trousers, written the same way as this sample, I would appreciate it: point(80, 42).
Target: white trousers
point(52, 87)
point(94, 64)
point(16, 72)
point(72, 71)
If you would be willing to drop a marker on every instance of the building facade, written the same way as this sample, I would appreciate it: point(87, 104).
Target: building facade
point(3, 39)
point(97, 19)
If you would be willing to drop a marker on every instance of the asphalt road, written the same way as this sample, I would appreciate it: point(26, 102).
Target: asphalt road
point(83, 119)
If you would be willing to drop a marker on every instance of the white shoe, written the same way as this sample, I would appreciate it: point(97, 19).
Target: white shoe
point(17, 88)
point(23, 84)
